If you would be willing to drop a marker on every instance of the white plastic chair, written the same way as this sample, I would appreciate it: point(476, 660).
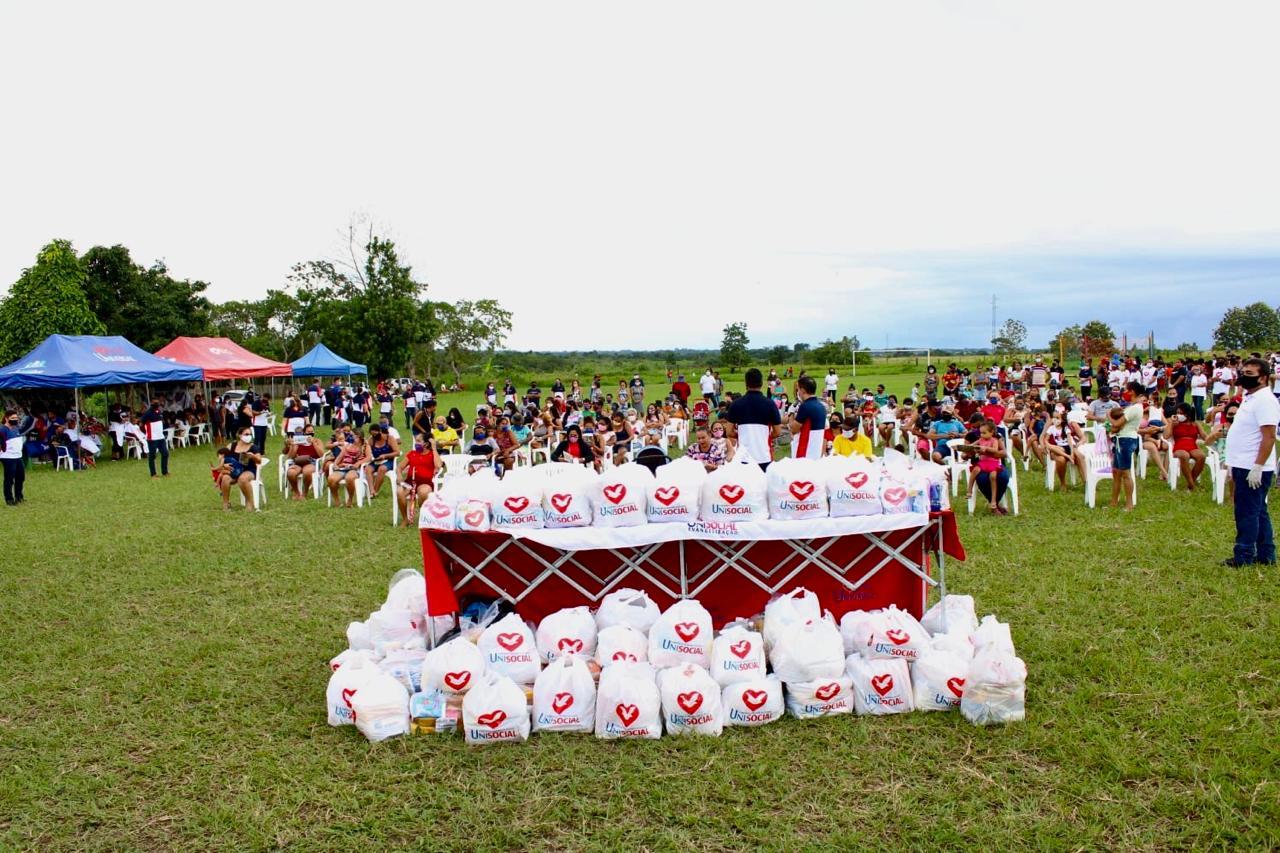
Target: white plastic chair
point(362, 489)
point(283, 462)
point(168, 437)
point(453, 465)
point(181, 437)
point(675, 429)
point(1171, 463)
point(199, 434)
point(1051, 472)
point(132, 447)
point(1143, 459)
point(1099, 469)
point(1218, 474)
point(257, 488)
point(62, 458)
point(271, 424)
point(1011, 492)
point(956, 467)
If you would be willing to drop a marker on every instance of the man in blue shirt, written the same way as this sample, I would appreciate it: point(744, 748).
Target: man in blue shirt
point(945, 427)
point(808, 425)
point(756, 420)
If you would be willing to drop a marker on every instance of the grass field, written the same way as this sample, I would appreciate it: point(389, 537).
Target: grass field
point(165, 675)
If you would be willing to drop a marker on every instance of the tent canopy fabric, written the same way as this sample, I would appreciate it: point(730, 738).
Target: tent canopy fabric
point(80, 361)
point(222, 358)
point(322, 361)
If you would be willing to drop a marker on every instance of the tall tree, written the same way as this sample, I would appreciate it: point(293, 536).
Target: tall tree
point(1068, 340)
point(1255, 326)
point(835, 352)
point(1097, 339)
point(268, 326)
point(47, 299)
point(779, 354)
point(145, 304)
point(1010, 338)
point(469, 331)
point(733, 347)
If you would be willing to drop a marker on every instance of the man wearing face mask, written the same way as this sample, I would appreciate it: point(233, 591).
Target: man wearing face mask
point(1252, 459)
point(12, 437)
point(945, 427)
point(482, 446)
point(850, 440)
point(153, 427)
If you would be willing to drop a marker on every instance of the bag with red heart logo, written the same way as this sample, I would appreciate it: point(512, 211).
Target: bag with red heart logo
point(937, 681)
point(618, 496)
point(824, 697)
point(797, 489)
point(738, 655)
point(631, 607)
point(736, 491)
point(880, 686)
point(348, 655)
point(682, 634)
point(893, 633)
point(495, 711)
point(509, 649)
point(752, 703)
point(381, 708)
point(808, 652)
point(674, 498)
point(995, 689)
point(348, 678)
point(453, 667)
point(571, 629)
point(690, 701)
point(853, 485)
point(438, 512)
point(472, 515)
point(787, 611)
point(564, 696)
point(620, 643)
point(517, 500)
point(627, 702)
point(956, 611)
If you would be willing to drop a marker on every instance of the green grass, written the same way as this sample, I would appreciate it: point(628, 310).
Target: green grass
point(165, 674)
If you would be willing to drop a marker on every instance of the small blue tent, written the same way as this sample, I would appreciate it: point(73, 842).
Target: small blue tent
point(83, 361)
point(322, 361)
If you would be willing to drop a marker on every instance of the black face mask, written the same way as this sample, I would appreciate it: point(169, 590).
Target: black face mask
point(1248, 382)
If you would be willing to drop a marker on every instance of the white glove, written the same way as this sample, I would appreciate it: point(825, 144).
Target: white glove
point(1255, 477)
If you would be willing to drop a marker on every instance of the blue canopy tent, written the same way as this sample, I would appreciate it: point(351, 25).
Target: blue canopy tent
point(322, 361)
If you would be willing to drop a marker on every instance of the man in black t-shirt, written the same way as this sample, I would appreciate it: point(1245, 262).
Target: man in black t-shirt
point(756, 420)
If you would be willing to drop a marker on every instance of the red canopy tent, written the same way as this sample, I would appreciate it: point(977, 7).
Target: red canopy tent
point(222, 358)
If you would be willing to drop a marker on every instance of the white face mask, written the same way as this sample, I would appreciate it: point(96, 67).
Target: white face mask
point(247, 438)
point(1181, 418)
point(848, 433)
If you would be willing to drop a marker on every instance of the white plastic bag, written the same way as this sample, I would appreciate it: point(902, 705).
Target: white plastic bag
point(405, 666)
point(895, 634)
point(571, 629)
point(566, 498)
point(564, 696)
point(509, 649)
point(618, 496)
point(960, 615)
point(992, 635)
point(495, 711)
point(937, 681)
point(394, 629)
point(381, 708)
point(895, 491)
point(517, 500)
point(345, 682)
point(957, 644)
point(738, 655)
point(752, 703)
point(620, 643)
point(358, 636)
point(407, 591)
point(473, 515)
point(855, 627)
point(796, 489)
point(438, 512)
point(808, 652)
point(690, 701)
point(347, 656)
point(627, 702)
point(794, 608)
point(681, 635)
point(880, 686)
point(995, 689)
point(853, 485)
point(628, 607)
point(735, 492)
point(824, 697)
point(673, 500)
point(452, 667)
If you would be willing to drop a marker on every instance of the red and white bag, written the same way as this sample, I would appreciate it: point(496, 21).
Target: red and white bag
point(789, 610)
point(438, 512)
point(618, 496)
point(690, 701)
point(880, 686)
point(495, 711)
point(509, 649)
point(566, 500)
point(937, 681)
point(796, 489)
point(472, 515)
point(673, 501)
point(627, 702)
point(895, 491)
point(738, 655)
point(571, 629)
point(564, 696)
point(737, 491)
point(517, 500)
point(995, 689)
point(380, 708)
point(808, 652)
point(824, 697)
point(853, 486)
point(681, 635)
point(619, 644)
point(473, 495)
point(752, 703)
point(631, 607)
point(960, 616)
point(892, 633)
point(452, 667)
point(346, 680)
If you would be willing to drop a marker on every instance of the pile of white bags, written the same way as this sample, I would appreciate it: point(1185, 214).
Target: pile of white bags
point(674, 495)
point(380, 707)
point(690, 701)
point(752, 703)
point(453, 667)
point(853, 485)
point(737, 654)
point(681, 635)
point(822, 697)
point(620, 644)
point(628, 703)
point(808, 652)
point(566, 498)
point(938, 680)
point(880, 686)
point(631, 607)
point(517, 500)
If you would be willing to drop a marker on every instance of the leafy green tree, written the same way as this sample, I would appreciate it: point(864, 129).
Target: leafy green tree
point(1068, 339)
point(469, 332)
point(47, 299)
point(1010, 338)
point(733, 347)
point(800, 350)
point(835, 352)
point(270, 326)
point(779, 355)
point(1188, 348)
point(1097, 339)
point(146, 305)
point(1255, 327)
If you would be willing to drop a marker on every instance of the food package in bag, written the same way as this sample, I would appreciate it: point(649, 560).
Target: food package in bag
point(438, 511)
point(880, 686)
point(618, 496)
point(808, 652)
point(937, 681)
point(995, 689)
point(628, 703)
point(855, 627)
point(405, 666)
point(347, 656)
point(853, 485)
point(566, 500)
point(960, 615)
point(737, 491)
point(631, 607)
point(793, 608)
point(571, 629)
point(797, 489)
point(620, 643)
point(407, 591)
point(358, 636)
point(381, 707)
point(895, 490)
point(472, 515)
point(690, 701)
point(993, 635)
point(958, 644)
point(671, 500)
point(933, 480)
point(682, 634)
point(895, 634)
point(517, 500)
point(452, 667)
point(682, 469)
point(738, 655)
point(824, 697)
point(495, 711)
point(509, 649)
point(394, 629)
point(346, 680)
point(752, 703)
point(564, 696)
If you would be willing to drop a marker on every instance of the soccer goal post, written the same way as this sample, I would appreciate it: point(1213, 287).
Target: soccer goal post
point(893, 351)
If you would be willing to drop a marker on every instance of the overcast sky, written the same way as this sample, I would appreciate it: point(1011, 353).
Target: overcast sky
point(637, 175)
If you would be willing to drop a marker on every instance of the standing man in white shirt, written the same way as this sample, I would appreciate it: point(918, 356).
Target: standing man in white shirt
point(12, 438)
point(153, 427)
point(1251, 457)
point(707, 384)
point(831, 385)
point(1223, 376)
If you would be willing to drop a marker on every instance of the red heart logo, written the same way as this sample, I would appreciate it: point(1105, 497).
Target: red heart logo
point(561, 502)
point(741, 649)
point(666, 495)
point(956, 685)
point(457, 680)
point(510, 641)
point(474, 517)
point(687, 630)
point(826, 691)
point(857, 479)
point(561, 702)
point(568, 645)
point(493, 719)
point(439, 510)
point(690, 701)
point(754, 699)
point(516, 503)
point(801, 489)
point(615, 493)
point(898, 636)
point(624, 656)
point(347, 693)
point(896, 495)
point(627, 713)
point(882, 683)
point(731, 493)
